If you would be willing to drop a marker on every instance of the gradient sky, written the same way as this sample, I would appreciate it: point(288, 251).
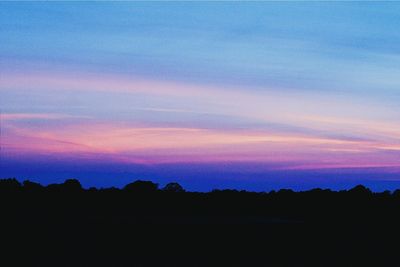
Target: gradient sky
point(247, 95)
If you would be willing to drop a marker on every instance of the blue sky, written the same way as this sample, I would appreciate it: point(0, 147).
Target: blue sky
point(294, 87)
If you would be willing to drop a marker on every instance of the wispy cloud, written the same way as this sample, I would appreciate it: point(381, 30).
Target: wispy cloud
point(38, 116)
point(155, 145)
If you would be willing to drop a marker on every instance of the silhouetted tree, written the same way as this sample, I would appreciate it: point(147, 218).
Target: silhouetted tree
point(396, 193)
point(9, 185)
point(141, 187)
point(354, 227)
point(173, 187)
point(92, 189)
point(385, 194)
point(69, 185)
point(360, 190)
point(72, 185)
point(32, 186)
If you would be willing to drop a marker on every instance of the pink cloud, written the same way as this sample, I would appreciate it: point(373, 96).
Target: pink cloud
point(126, 143)
point(132, 143)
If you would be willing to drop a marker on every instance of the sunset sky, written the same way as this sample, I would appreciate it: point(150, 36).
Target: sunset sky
point(246, 95)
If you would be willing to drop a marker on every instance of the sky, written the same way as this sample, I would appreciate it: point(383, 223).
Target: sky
point(244, 95)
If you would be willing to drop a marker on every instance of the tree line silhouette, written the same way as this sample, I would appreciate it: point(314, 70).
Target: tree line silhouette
point(145, 225)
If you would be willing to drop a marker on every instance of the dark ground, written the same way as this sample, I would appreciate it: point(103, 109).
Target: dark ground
point(64, 225)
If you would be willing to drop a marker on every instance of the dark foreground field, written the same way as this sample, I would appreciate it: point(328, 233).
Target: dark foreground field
point(64, 225)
